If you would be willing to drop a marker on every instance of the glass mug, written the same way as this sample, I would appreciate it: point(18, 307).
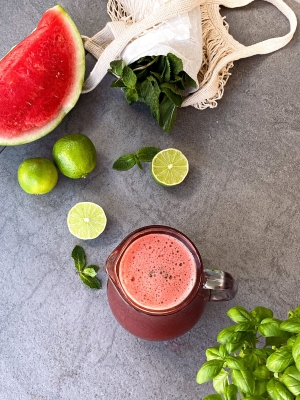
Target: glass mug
point(157, 287)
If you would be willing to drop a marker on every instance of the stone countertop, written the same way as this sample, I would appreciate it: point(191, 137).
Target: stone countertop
point(239, 204)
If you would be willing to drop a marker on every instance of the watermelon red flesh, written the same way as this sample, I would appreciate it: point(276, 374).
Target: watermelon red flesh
point(41, 79)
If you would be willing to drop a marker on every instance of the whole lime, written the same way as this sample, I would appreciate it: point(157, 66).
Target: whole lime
point(75, 155)
point(37, 175)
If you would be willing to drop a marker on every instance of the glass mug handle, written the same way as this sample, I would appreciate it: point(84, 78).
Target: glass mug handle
point(221, 285)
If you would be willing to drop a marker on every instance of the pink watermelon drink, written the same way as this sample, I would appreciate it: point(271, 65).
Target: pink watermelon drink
point(157, 271)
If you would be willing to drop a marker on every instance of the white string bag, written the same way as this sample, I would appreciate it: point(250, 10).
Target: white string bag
point(132, 20)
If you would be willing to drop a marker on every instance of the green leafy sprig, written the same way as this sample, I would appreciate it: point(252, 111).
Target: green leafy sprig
point(258, 358)
point(127, 161)
point(157, 81)
point(86, 273)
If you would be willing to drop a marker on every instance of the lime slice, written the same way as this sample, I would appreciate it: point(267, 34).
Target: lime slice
point(86, 220)
point(169, 167)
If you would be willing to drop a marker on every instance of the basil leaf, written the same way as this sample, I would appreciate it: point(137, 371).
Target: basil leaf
point(146, 154)
point(271, 327)
point(243, 380)
point(277, 391)
point(245, 327)
point(275, 341)
point(233, 347)
point(175, 98)
point(297, 361)
point(291, 325)
point(251, 361)
point(280, 359)
point(124, 162)
point(262, 373)
point(89, 271)
point(117, 83)
point(131, 95)
point(116, 67)
point(209, 370)
point(78, 256)
point(229, 335)
point(239, 314)
point(296, 348)
point(235, 363)
point(260, 313)
point(291, 379)
point(221, 381)
point(223, 351)
point(260, 387)
point(92, 282)
point(168, 113)
point(95, 267)
point(212, 397)
point(230, 392)
point(176, 64)
point(212, 353)
point(129, 77)
point(255, 398)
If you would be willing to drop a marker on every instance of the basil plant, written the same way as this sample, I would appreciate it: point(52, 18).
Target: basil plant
point(258, 357)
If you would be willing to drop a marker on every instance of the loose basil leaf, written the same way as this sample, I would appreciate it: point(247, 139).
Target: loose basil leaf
point(209, 370)
point(280, 359)
point(93, 283)
point(95, 267)
point(212, 353)
point(239, 314)
point(243, 380)
point(230, 392)
point(124, 162)
point(235, 363)
point(221, 381)
point(212, 397)
point(260, 313)
point(271, 327)
point(291, 325)
point(277, 391)
point(146, 154)
point(78, 256)
point(89, 271)
point(262, 373)
point(291, 379)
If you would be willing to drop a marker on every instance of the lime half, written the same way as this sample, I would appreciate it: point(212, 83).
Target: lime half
point(169, 167)
point(86, 220)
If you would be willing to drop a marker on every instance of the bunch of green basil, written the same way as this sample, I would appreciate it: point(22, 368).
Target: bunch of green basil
point(259, 357)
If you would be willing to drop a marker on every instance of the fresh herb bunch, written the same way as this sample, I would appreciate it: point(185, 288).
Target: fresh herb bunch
point(127, 161)
point(259, 357)
point(86, 273)
point(157, 81)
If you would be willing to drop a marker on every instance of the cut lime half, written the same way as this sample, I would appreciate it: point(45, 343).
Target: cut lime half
point(86, 220)
point(169, 167)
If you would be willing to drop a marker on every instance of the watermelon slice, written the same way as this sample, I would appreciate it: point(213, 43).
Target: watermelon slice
point(41, 79)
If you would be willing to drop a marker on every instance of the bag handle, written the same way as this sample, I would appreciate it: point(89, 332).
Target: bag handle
point(209, 90)
point(269, 45)
point(114, 49)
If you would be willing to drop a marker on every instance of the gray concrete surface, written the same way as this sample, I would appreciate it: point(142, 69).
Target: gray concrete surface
point(239, 204)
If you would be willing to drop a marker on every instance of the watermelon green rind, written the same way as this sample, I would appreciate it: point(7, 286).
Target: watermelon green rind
point(9, 137)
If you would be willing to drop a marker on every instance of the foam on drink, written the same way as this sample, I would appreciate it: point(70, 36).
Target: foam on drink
point(157, 271)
